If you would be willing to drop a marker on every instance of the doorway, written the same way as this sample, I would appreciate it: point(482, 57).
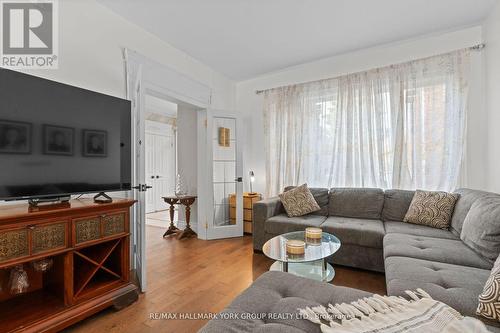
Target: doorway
point(171, 156)
point(194, 158)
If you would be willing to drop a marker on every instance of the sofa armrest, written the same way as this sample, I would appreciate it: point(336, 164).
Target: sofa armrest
point(262, 211)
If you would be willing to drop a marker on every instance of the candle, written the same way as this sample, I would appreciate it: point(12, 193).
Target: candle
point(313, 235)
point(294, 246)
point(313, 232)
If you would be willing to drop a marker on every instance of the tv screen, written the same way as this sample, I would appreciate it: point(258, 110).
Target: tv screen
point(57, 139)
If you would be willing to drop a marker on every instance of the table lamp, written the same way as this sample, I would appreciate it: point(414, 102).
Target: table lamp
point(252, 179)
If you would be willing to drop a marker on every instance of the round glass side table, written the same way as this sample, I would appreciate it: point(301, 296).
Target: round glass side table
point(312, 264)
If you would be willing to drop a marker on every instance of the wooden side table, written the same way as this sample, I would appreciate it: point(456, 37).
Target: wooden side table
point(187, 201)
point(248, 200)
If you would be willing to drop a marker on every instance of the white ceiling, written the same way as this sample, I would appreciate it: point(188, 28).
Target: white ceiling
point(246, 38)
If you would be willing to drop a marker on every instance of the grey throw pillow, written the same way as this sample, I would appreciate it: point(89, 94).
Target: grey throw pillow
point(299, 201)
point(481, 228)
point(431, 208)
point(489, 300)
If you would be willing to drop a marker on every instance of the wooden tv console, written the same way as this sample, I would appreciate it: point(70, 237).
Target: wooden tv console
point(90, 248)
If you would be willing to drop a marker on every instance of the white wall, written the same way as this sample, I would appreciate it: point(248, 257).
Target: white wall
point(160, 106)
point(91, 39)
point(492, 70)
point(187, 154)
point(90, 53)
point(250, 104)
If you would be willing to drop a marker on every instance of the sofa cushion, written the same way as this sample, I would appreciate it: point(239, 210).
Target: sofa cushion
point(463, 205)
point(392, 227)
point(457, 286)
point(281, 223)
point(362, 232)
point(299, 201)
point(449, 251)
point(280, 293)
point(481, 228)
point(321, 196)
point(396, 204)
point(364, 203)
point(431, 208)
point(363, 257)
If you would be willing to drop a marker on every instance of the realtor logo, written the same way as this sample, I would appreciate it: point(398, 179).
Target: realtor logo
point(29, 34)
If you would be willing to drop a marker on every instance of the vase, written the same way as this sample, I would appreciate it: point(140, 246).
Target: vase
point(18, 280)
point(180, 186)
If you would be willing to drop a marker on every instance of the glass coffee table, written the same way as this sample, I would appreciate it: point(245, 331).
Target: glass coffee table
point(312, 264)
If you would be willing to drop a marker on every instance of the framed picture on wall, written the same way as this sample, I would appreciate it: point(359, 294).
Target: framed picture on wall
point(58, 140)
point(15, 137)
point(95, 143)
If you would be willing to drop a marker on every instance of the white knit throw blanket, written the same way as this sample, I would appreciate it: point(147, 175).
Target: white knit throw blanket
point(391, 314)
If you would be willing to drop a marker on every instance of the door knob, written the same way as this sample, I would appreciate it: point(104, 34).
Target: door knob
point(142, 187)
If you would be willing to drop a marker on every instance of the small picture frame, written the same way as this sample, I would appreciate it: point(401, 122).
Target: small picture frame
point(58, 140)
point(15, 137)
point(95, 143)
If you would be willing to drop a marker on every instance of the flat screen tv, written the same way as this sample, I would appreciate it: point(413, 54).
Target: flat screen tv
point(58, 140)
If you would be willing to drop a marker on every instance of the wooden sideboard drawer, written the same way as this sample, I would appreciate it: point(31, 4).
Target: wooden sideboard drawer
point(93, 228)
point(86, 229)
point(49, 237)
point(14, 244)
point(113, 224)
point(33, 239)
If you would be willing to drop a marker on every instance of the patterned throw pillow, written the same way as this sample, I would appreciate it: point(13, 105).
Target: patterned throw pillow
point(489, 300)
point(299, 201)
point(433, 209)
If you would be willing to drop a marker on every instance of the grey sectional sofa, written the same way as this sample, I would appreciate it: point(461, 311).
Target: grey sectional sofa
point(361, 218)
point(369, 224)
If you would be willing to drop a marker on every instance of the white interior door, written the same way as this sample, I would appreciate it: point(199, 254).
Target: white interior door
point(165, 169)
point(224, 146)
point(160, 164)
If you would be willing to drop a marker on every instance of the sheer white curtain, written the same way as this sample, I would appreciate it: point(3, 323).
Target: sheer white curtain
point(401, 126)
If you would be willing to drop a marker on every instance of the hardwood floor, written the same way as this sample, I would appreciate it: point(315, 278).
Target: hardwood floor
point(196, 276)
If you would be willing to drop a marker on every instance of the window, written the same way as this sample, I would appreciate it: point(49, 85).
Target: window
point(396, 127)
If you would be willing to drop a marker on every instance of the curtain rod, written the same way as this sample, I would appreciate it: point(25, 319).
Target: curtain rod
point(477, 47)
